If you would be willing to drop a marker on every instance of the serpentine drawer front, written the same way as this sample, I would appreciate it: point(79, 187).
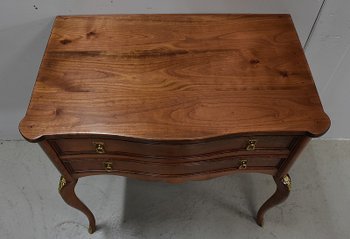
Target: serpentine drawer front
point(168, 170)
point(173, 98)
point(253, 144)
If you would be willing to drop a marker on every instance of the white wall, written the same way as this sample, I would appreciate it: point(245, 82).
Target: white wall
point(328, 53)
point(25, 27)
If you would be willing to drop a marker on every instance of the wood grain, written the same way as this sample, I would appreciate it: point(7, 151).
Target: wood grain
point(173, 98)
point(175, 150)
point(173, 77)
point(165, 169)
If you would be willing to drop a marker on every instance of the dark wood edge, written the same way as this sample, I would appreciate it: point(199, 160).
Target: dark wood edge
point(31, 97)
point(55, 147)
point(287, 164)
point(177, 159)
point(328, 124)
point(68, 167)
point(210, 160)
point(327, 121)
point(181, 14)
point(166, 141)
point(56, 160)
point(177, 178)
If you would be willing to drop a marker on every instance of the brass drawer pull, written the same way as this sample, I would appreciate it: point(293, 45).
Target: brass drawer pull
point(251, 145)
point(243, 164)
point(99, 147)
point(108, 166)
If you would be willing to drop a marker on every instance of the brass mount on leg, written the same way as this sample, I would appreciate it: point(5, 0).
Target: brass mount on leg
point(61, 183)
point(287, 181)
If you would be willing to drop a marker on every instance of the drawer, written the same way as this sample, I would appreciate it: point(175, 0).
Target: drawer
point(243, 144)
point(137, 166)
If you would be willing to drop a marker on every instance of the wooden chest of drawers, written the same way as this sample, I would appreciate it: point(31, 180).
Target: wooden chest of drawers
point(173, 161)
point(173, 98)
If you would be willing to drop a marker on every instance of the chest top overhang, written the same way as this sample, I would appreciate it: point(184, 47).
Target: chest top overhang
point(173, 77)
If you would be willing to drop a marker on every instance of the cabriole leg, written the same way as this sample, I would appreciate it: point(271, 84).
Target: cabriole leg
point(66, 190)
point(282, 191)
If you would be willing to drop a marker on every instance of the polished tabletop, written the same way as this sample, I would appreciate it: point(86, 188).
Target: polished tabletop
point(173, 77)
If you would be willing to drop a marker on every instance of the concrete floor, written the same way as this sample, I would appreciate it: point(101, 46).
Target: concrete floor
point(318, 207)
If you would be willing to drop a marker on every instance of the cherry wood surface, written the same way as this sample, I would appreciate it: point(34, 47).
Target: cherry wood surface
point(173, 98)
point(280, 195)
point(68, 194)
point(173, 77)
point(73, 146)
point(165, 169)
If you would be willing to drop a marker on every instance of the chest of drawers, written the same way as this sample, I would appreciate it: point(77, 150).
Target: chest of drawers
point(173, 161)
point(173, 98)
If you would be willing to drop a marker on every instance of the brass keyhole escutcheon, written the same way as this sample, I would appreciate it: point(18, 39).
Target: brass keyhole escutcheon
point(243, 164)
point(99, 147)
point(108, 166)
point(251, 144)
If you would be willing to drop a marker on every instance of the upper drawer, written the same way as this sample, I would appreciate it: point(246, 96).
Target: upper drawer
point(242, 144)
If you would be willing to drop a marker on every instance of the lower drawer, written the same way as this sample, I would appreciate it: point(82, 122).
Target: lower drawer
point(137, 166)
